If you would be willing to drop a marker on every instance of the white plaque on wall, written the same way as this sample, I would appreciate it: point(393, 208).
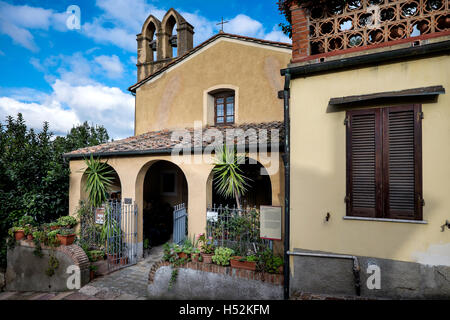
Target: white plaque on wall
point(212, 216)
point(270, 223)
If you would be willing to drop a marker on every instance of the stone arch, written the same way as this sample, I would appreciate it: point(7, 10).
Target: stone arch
point(116, 189)
point(170, 20)
point(151, 196)
point(258, 186)
point(148, 41)
point(208, 102)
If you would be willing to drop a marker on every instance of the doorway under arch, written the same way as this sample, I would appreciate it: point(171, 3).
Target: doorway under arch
point(165, 186)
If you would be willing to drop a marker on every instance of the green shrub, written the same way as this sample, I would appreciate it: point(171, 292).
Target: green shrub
point(222, 256)
point(67, 222)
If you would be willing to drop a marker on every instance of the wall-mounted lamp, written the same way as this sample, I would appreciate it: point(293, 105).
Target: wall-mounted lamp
point(328, 217)
point(447, 224)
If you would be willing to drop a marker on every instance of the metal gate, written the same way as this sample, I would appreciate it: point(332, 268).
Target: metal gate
point(179, 223)
point(121, 222)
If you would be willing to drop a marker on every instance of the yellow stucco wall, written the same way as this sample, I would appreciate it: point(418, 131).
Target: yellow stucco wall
point(176, 98)
point(318, 181)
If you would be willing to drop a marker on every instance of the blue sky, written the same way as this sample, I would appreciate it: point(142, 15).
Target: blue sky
point(65, 77)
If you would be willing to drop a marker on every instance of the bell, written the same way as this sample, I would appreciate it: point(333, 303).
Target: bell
point(422, 26)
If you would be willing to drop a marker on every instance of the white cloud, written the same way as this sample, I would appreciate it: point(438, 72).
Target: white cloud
point(69, 105)
point(277, 35)
point(15, 22)
point(244, 25)
point(35, 114)
point(112, 66)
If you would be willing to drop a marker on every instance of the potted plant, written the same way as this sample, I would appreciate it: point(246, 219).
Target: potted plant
point(17, 232)
point(66, 236)
point(28, 231)
point(96, 255)
point(222, 256)
point(270, 263)
point(247, 263)
point(67, 222)
point(195, 256)
point(52, 238)
point(207, 248)
point(92, 270)
point(54, 226)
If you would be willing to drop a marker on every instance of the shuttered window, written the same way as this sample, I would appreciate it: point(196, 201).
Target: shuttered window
point(384, 163)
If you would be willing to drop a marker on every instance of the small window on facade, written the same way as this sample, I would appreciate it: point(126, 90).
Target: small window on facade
point(224, 108)
point(384, 163)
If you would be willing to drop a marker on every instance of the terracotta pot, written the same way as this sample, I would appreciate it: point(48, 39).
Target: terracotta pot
point(92, 275)
point(30, 237)
point(19, 235)
point(124, 261)
point(54, 228)
point(247, 265)
point(207, 258)
point(280, 269)
point(195, 257)
point(182, 255)
point(66, 240)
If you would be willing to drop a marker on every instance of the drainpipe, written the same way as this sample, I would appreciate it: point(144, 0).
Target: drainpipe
point(356, 268)
point(287, 184)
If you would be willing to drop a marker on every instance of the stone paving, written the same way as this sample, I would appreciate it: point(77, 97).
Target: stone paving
point(126, 284)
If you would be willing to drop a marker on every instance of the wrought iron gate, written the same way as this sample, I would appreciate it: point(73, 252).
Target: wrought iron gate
point(121, 234)
point(179, 223)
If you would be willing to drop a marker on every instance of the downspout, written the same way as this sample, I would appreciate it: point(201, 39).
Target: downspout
point(287, 184)
point(356, 268)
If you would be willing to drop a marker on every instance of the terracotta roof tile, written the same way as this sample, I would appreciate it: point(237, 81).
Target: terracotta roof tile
point(162, 142)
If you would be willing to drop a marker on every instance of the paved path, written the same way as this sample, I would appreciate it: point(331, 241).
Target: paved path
point(126, 284)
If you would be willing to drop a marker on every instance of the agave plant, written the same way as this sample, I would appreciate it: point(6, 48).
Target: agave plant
point(228, 176)
point(99, 180)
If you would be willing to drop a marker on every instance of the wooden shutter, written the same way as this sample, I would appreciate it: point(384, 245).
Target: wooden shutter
point(364, 163)
point(402, 162)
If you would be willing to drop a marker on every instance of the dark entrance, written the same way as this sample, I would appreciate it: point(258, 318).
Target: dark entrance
point(165, 187)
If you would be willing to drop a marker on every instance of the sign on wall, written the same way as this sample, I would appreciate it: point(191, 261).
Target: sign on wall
point(270, 223)
point(100, 215)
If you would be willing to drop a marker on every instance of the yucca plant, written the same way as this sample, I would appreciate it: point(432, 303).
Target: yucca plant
point(99, 180)
point(228, 176)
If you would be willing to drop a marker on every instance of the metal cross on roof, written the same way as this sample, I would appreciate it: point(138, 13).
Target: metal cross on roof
point(222, 23)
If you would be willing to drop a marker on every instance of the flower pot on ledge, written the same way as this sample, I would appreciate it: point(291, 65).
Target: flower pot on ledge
point(207, 257)
point(182, 255)
point(19, 235)
point(66, 240)
point(247, 265)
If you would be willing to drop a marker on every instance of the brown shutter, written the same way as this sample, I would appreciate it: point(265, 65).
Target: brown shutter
point(402, 162)
point(364, 163)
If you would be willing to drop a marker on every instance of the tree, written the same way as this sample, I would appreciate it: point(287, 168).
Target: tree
point(228, 176)
point(34, 176)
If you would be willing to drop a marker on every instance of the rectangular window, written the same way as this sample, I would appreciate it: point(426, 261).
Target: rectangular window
point(384, 163)
point(224, 108)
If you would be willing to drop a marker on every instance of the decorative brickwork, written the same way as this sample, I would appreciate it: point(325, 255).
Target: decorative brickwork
point(276, 279)
point(366, 23)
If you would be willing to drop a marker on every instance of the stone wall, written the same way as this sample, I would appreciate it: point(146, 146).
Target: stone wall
point(212, 282)
point(398, 279)
point(26, 271)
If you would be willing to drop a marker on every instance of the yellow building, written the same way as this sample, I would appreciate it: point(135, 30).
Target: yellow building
point(227, 85)
point(370, 149)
